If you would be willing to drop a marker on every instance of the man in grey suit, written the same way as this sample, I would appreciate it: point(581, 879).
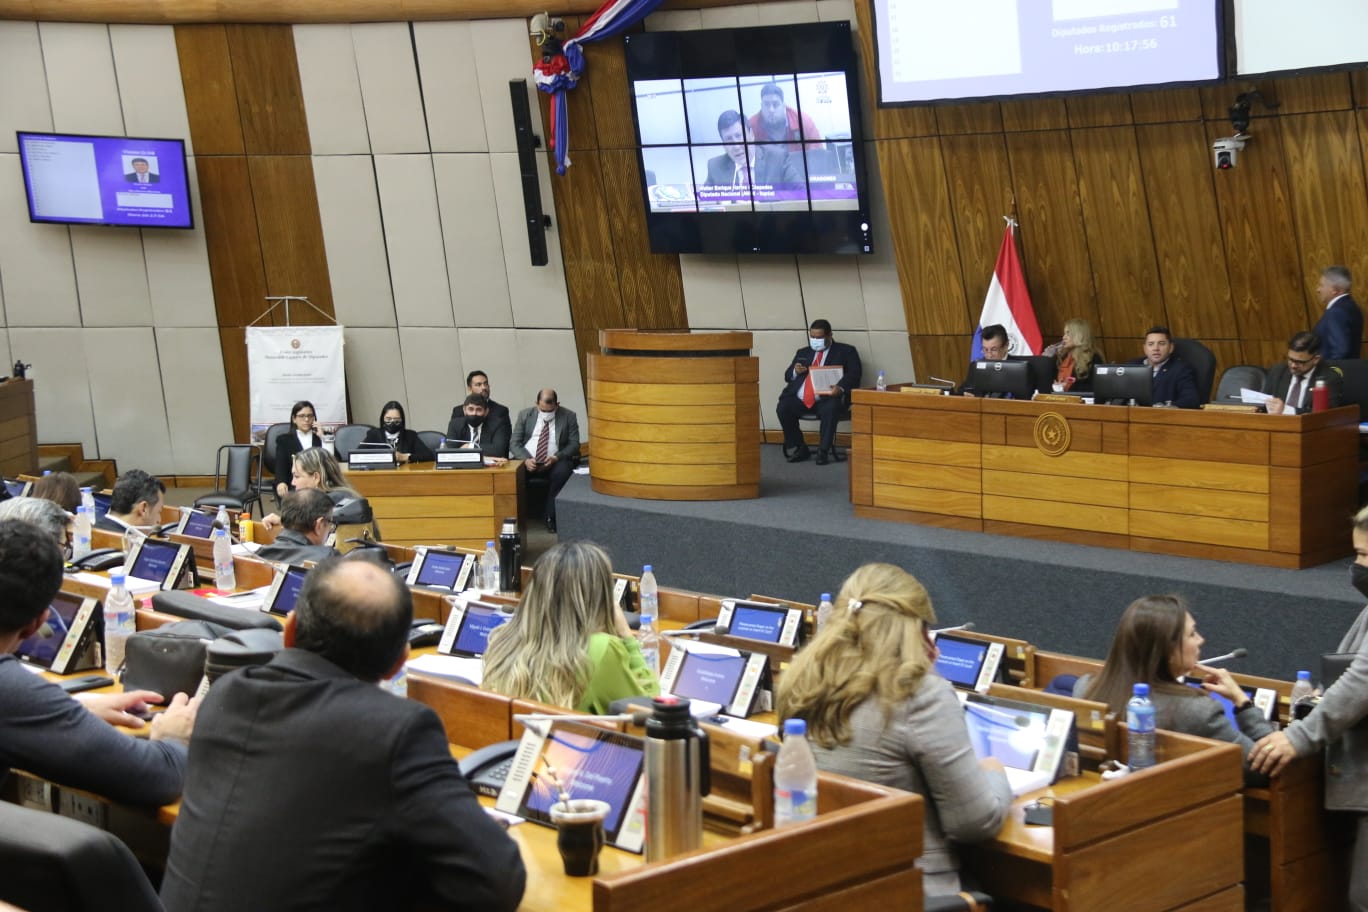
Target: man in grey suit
point(747, 164)
point(546, 438)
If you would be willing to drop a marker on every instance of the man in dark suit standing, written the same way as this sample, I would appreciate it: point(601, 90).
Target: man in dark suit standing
point(547, 439)
point(1341, 325)
point(1175, 382)
point(800, 394)
point(474, 429)
point(497, 424)
point(309, 787)
point(1291, 382)
point(140, 174)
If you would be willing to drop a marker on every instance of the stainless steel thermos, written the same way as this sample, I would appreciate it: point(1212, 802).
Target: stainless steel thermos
point(677, 778)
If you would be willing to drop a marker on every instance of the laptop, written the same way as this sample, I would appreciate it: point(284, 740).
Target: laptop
point(762, 621)
point(435, 568)
point(588, 762)
point(62, 644)
point(284, 592)
point(1028, 739)
point(160, 564)
point(968, 663)
point(468, 627)
point(195, 524)
point(715, 679)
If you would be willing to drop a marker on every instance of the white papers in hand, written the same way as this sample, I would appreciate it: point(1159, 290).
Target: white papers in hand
point(1253, 397)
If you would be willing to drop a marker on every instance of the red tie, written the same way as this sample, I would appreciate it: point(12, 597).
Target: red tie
point(809, 395)
point(544, 441)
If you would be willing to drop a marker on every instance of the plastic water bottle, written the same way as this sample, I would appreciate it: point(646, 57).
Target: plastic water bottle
point(222, 520)
point(80, 544)
point(881, 383)
point(649, 641)
point(225, 576)
point(649, 592)
point(118, 623)
point(1299, 701)
point(489, 568)
point(824, 609)
point(1140, 728)
point(87, 499)
point(795, 777)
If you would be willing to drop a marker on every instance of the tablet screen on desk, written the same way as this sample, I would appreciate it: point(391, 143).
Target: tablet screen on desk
point(1026, 737)
point(41, 648)
point(969, 664)
point(101, 504)
point(761, 621)
point(18, 488)
point(284, 592)
point(710, 677)
point(196, 524)
point(468, 627)
point(440, 569)
point(156, 561)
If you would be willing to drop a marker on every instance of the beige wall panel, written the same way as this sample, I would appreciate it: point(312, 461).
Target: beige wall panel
point(887, 352)
point(549, 359)
point(712, 292)
point(354, 239)
point(21, 64)
point(451, 86)
point(373, 374)
point(129, 428)
point(501, 53)
point(5, 357)
point(786, 11)
point(61, 388)
point(413, 238)
point(537, 293)
point(731, 16)
point(513, 380)
point(35, 261)
point(331, 87)
point(831, 289)
point(473, 240)
point(196, 397)
point(775, 350)
point(433, 375)
point(149, 82)
point(836, 11)
point(80, 76)
point(674, 21)
point(111, 278)
point(178, 280)
point(770, 292)
point(389, 87)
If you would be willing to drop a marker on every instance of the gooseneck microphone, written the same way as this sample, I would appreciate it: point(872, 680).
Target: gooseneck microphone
point(1233, 654)
point(967, 625)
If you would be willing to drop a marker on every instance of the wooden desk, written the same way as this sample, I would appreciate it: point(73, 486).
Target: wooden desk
point(1218, 485)
point(18, 429)
point(421, 505)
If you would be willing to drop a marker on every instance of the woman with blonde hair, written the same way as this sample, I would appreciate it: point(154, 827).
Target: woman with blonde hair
point(1075, 356)
point(567, 643)
point(316, 468)
point(876, 710)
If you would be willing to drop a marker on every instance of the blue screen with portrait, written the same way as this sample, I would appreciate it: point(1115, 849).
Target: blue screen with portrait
point(106, 180)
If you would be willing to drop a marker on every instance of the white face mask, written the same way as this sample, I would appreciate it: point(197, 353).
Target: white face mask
point(817, 344)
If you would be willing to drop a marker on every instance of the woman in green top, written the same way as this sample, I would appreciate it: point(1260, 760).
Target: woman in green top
point(568, 643)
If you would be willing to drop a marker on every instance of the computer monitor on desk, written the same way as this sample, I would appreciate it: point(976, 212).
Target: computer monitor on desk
point(1123, 383)
point(1008, 377)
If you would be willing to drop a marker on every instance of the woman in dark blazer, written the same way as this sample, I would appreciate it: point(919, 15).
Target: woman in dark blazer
point(300, 437)
point(408, 446)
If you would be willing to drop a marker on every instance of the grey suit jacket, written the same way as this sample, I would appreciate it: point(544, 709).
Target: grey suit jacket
point(1333, 724)
point(567, 434)
point(924, 748)
point(773, 165)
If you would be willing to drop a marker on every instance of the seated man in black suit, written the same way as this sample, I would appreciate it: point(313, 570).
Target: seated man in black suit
point(1175, 382)
point(547, 440)
point(1291, 382)
point(498, 425)
point(136, 502)
point(799, 395)
point(310, 787)
point(996, 345)
point(474, 429)
point(306, 520)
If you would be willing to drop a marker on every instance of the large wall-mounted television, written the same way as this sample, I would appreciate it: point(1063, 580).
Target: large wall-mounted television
point(750, 140)
point(75, 179)
point(930, 50)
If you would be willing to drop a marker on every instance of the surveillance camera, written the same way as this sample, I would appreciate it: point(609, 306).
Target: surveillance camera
point(540, 24)
point(1226, 150)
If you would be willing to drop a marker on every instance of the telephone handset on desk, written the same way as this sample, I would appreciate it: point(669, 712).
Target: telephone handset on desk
point(99, 559)
point(487, 768)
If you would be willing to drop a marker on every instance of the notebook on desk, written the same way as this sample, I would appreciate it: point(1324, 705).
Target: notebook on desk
point(1028, 739)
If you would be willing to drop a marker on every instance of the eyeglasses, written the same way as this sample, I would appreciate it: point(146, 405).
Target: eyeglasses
point(306, 416)
point(1300, 362)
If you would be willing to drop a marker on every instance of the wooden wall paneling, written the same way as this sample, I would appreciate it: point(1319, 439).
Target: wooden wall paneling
point(1263, 352)
point(612, 94)
point(946, 357)
point(887, 123)
point(981, 117)
point(266, 78)
point(923, 236)
point(1267, 287)
point(231, 238)
point(233, 341)
point(1313, 92)
point(291, 234)
point(210, 99)
point(652, 289)
point(1054, 245)
point(980, 195)
point(1329, 199)
point(1177, 169)
point(1166, 106)
point(1120, 238)
point(1034, 114)
point(591, 275)
point(1103, 109)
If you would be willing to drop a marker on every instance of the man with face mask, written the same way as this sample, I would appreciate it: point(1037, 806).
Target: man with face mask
point(498, 425)
point(800, 395)
point(476, 429)
point(136, 502)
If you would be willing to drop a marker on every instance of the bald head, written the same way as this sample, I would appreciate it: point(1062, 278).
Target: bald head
point(355, 615)
point(547, 401)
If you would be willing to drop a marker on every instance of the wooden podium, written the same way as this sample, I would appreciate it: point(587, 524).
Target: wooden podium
point(18, 431)
point(675, 415)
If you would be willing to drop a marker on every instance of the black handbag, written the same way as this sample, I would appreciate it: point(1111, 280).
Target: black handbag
point(170, 659)
point(240, 649)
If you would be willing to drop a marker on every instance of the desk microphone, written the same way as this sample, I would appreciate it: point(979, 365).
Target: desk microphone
point(695, 633)
point(967, 625)
point(1233, 654)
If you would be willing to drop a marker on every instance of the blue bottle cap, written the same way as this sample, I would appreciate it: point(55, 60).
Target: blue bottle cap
point(489, 544)
point(795, 727)
point(1303, 676)
point(116, 579)
point(1140, 690)
point(647, 569)
point(826, 597)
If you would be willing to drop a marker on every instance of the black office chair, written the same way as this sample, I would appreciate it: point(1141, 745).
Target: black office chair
point(1203, 364)
point(56, 864)
point(433, 439)
point(347, 438)
point(238, 485)
point(1238, 377)
point(1354, 372)
point(269, 446)
point(964, 901)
